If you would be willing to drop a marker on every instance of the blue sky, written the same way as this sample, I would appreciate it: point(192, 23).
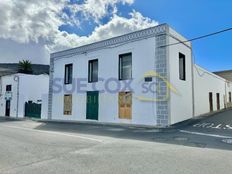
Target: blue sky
point(191, 18)
point(43, 27)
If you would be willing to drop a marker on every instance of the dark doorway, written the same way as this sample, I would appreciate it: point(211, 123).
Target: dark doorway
point(32, 110)
point(230, 100)
point(211, 102)
point(218, 101)
point(7, 111)
point(92, 105)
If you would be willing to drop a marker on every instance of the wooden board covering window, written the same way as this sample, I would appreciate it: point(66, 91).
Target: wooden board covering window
point(67, 104)
point(125, 105)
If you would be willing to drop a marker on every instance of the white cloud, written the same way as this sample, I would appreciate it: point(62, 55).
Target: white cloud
point(96, 9)
point(115, 27)
point(29, 22)
point(121, 25)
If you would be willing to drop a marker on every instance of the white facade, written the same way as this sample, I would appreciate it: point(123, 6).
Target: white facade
point(151, 50)
point(24, 88)
point(206, 82)
point(108, 103)
point(181, 104)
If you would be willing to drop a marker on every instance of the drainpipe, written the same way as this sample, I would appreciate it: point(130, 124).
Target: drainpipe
point(16, 78)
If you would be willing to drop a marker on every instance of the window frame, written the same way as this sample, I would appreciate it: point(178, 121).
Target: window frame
point(68, 80)
point(64, 108)
point(148, 79)
point(8, 88)
point(182, 73)
point(90, 71)
point(120, 66)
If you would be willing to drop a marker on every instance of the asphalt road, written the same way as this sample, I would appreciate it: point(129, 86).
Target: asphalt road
point(190, 147)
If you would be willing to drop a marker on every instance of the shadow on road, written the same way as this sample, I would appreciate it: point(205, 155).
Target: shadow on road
point(8, 119)
point(201, 137)
point(203, 132)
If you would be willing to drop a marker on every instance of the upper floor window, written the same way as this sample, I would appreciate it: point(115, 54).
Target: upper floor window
point(148, 79)
point(125, 66)
point(68, 74)
point(8, 88)
point(182, 67)
point(93, 71)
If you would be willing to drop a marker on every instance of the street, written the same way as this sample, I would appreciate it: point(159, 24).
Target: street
point(195, 146)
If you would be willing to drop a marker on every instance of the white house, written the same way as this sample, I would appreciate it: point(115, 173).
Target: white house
point(146, 77)
point(212, 92)
point(18, 89)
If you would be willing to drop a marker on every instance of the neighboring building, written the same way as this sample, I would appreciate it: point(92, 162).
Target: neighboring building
point(225, 74)
point(212, 92)
point(161, 73)
point(23, 94)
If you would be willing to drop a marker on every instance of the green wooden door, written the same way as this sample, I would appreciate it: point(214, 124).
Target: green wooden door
point(92, 105)
point(32, 110)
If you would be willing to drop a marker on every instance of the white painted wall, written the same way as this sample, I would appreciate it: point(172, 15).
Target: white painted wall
point(143, 55)
point(31, 87)
point(8, 80)
point(228, 90)
point(205, 82)
point(180, 103)
point(143, 59)
point(44, 107)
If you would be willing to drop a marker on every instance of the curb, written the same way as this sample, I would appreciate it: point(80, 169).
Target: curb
point(125, 125)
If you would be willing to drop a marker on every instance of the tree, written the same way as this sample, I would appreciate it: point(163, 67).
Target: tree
point(25, 67)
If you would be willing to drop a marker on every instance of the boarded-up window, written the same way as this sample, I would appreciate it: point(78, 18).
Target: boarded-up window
point(125, 105)
point(67, 104)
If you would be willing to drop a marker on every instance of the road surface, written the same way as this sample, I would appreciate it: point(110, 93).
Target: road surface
point(188, 148)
